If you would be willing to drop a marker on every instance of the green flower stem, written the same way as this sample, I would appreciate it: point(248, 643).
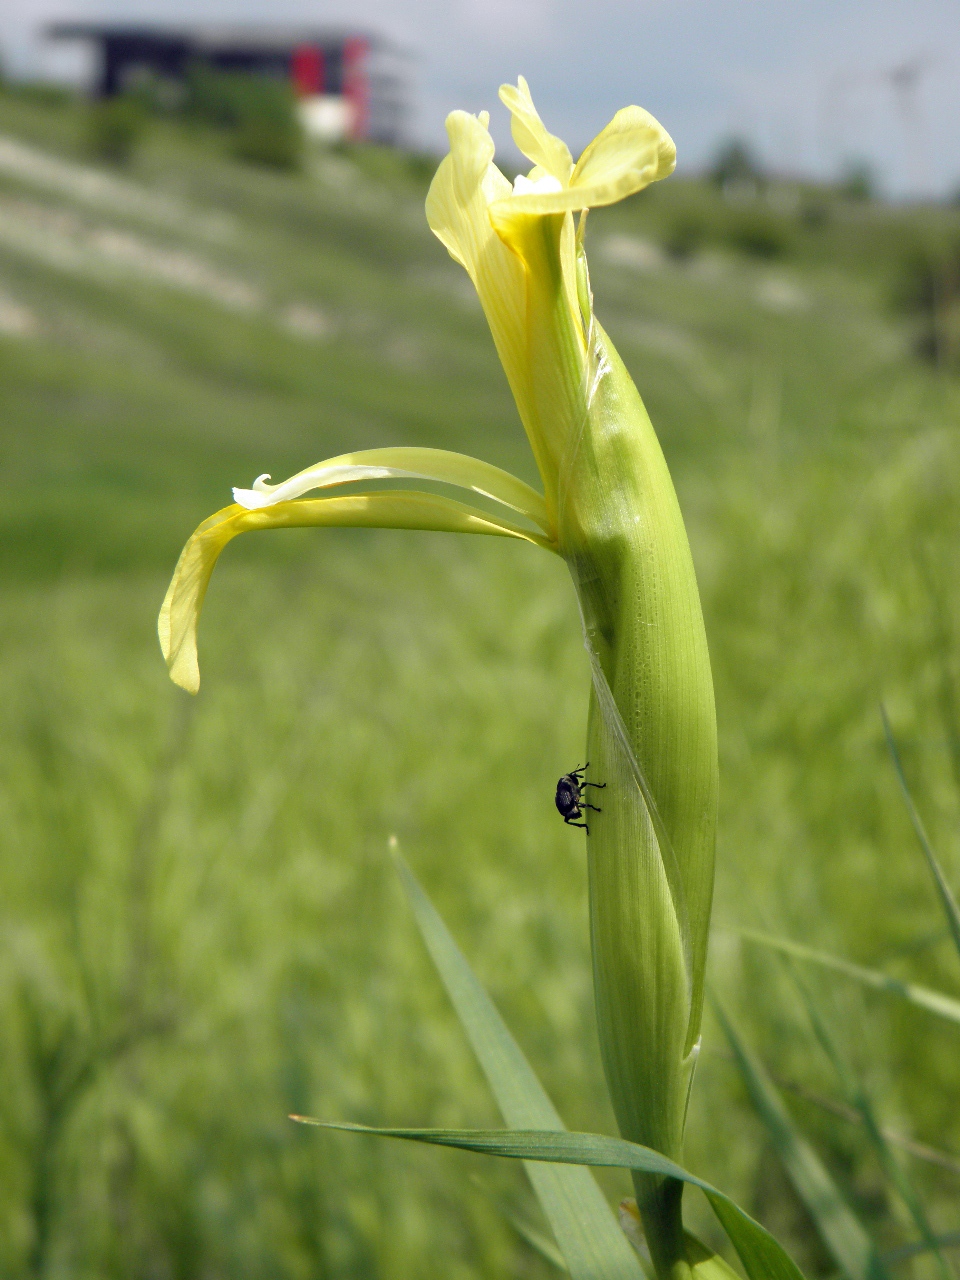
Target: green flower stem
point(659, 1201)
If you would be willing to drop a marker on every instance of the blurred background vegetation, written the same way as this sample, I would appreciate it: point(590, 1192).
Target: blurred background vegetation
point(200, 931)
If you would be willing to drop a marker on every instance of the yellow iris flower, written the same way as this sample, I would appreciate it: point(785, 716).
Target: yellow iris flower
point(512, 240)
point(485, 224)
point(609, 508)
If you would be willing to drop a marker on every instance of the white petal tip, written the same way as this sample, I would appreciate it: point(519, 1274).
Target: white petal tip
point(251, 499)
point(547, 185)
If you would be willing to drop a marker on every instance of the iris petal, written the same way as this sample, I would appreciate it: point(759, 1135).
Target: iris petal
point(631, 152)
point(441, 465)
point(180, 613)
point(530, 134)
point(464, 187)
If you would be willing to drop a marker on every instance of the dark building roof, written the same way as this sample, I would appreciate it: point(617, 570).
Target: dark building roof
point(210, 36)
point(366, 68)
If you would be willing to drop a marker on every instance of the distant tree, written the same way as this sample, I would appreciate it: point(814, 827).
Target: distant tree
point(758, 233)
point(857, 181)
point(115, 127)
point(686, 235)
point(928, 288)
point(259, 111)
point(736, 168)
point(158, 94)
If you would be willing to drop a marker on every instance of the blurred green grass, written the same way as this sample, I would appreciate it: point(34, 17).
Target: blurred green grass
point(201, 931)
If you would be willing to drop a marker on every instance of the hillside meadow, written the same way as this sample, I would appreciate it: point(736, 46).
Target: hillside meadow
point(200, 928)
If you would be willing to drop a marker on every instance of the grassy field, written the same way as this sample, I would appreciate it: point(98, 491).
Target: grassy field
point(200, 928)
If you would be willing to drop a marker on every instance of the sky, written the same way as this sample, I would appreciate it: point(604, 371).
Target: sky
point(812, 84)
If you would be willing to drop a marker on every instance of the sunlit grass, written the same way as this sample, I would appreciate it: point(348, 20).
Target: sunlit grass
point(219, 874)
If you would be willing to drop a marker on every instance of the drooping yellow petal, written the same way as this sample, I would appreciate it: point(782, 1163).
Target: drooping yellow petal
point(630, 153)
point(547, 152)
point(442, 465)
point(180, 613)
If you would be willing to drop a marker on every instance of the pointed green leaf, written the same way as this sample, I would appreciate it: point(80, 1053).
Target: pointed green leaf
point(762, 1257)
point(949, 902)
point(583, 1223)
point(836, 1222)
point(924, 997)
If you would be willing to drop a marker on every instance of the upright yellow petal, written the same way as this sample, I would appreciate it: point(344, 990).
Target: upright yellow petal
point(630, 153)
point(458, 203)
point(555, 342)
point(549, 153)
point(464, 184)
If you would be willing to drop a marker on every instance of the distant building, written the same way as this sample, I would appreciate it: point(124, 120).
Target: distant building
point(351, 84)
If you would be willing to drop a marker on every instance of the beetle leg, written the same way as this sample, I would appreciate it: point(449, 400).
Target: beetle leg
point(598, 785)
point(584, 805)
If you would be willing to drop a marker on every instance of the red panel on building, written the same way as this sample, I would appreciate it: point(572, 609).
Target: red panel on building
point(307, 70)
point(356, 86)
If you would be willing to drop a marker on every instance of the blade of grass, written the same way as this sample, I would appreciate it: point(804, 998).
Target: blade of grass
point(951, 910)
point(496, 1049)
point(942, 1159)
point(538, 1242)
point(838, 1226)
point(762, 1257)
point(943, 646)
point(923, 997)
point(951, 1240)
point(583, 1223)
point(858, 1099)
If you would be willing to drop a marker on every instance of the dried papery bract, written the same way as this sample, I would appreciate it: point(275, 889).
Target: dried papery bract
point(609, 508)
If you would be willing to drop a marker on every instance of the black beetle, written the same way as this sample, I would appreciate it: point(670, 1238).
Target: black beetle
point(570, 799)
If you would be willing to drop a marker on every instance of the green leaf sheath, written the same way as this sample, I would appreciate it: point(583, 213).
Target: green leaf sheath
point(583, 1224)
point(762, 1257)
point(839, 1228)
point(652, 741)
